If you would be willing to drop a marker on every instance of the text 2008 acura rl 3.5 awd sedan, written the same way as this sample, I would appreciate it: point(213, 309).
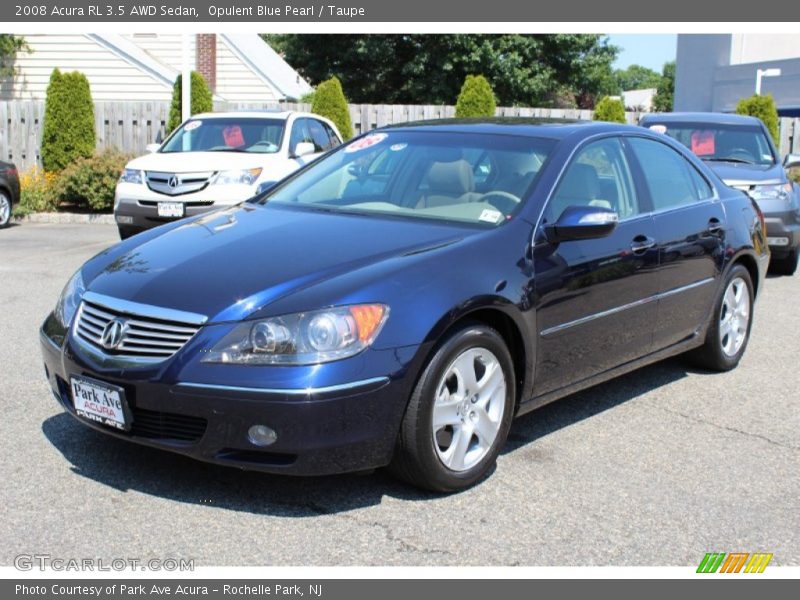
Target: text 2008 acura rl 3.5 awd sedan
point(398, 301)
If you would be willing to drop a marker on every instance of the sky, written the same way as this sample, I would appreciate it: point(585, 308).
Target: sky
point(648, 50)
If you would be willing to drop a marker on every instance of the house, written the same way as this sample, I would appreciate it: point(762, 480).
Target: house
point(713, 71)
point(239, 68)
point(639, 100)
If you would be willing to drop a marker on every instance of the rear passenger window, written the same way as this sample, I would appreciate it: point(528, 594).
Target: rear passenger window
point(671, 179)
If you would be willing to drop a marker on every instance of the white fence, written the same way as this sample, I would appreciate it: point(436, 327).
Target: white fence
point(130, 126)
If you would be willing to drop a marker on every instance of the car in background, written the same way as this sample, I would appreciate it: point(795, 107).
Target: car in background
point(216, 160)
point(400, 300)
point(740, 150)
point(9, 191)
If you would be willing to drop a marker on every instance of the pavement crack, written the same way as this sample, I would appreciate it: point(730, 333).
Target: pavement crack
point(727, 428)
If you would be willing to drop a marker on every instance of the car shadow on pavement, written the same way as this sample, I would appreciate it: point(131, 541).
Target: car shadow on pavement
point(130, 467)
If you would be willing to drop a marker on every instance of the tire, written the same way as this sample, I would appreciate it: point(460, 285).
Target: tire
point(785, 266)
point(5, 209)
point(729, 330)
point(125, 232)
point(470, 379)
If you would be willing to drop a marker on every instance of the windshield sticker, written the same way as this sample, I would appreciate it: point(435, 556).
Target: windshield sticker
point(233, 136)
point(490, 216)
point(703, 142)
point(658, 128)
point(192, 125)
point(366, 142)
point(397, 147)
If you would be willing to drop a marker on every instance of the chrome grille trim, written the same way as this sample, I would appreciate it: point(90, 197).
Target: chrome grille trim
point(149, 333)
point(185, 183)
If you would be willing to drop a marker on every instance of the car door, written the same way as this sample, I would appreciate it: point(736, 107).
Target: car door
point(690, 226)
point(596, 298)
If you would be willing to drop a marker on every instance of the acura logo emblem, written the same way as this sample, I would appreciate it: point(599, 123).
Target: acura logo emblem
point(113, 333)
point(173, 182)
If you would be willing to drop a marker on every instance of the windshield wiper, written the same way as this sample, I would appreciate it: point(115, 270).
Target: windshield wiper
point(225, 150)
point(729, 159)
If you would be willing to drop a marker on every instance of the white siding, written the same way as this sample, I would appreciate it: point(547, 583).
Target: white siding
point(236, 82)
point(110, 76)
point(167, 48)
point(749, 48)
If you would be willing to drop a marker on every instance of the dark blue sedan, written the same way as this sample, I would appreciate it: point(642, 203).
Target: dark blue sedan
point(400, 300)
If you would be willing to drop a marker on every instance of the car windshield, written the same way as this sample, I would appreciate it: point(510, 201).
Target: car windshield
point(459, 177)
point(716, 142)
point(234, 134)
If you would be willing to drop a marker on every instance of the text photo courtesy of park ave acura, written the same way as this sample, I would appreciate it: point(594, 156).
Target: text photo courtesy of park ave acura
point(396, 299)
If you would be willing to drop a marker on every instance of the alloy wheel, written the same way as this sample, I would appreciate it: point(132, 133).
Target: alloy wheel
point(734, 317)
point(5, 209)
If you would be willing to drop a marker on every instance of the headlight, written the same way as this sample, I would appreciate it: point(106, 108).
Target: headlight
point(771, 192)
point(240, 176)
point(131, 176)
point(70, 299)
point(302, 339)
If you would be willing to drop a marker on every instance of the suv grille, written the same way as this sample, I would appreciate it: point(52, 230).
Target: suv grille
point(135, 336)
point(175, 184)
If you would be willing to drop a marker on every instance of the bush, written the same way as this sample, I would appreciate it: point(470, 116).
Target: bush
point(476, 98)
point(329, 102)
point(37, 192)
point(762, 107)
point(90, 182)
point(609, 109)
point(68, 130)
point(202, 99)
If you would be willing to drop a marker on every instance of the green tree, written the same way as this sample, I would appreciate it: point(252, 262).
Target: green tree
point(10, 45)
point(636, 77)
point(665, 91)
point(609, 109)
point(329, 102)
point(476, 98)
point(202, 100)
point(430, 69)
point(68, 129)
point(762, 107)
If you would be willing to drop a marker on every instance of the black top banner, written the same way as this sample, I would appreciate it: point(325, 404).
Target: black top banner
point(355, 11)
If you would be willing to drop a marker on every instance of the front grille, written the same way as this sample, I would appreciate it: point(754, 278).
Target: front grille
point(175, 184)
point(167, 426)
point(193, 204)
point(140, 336)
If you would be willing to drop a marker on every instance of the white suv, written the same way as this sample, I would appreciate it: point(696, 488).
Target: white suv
point(214, 160)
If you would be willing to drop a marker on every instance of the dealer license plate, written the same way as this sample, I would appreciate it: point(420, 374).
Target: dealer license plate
point(171, 209)
point(100, 402)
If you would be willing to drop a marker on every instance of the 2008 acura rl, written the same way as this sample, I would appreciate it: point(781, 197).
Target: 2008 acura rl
point(398, 301)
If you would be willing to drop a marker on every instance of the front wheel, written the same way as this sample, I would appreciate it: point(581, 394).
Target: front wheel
point(729, 330)
point(459, 414)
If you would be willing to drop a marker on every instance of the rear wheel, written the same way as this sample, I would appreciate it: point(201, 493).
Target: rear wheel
point(729, 330)
point(459, 414)
point(5, 209)
point(785, 266)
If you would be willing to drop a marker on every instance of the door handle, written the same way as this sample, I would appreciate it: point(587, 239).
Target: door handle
point(714, 226)
point(641, 244)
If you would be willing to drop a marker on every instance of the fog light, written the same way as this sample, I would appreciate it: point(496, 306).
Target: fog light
point(124, 220)
point(261, 435)
point(778, 241)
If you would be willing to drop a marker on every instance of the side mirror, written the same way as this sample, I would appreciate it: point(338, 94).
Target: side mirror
point(791, 161)
point(582, 223)
point(152, 147)
point(303, 149)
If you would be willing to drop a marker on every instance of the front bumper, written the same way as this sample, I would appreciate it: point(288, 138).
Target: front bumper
point(329, 429)
point(784, 228)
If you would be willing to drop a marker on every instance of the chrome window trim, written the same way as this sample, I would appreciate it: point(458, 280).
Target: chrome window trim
point(136, 309)
point(618, 309)
point(310, 391)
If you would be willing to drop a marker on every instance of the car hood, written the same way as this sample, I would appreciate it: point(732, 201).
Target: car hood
point(741, 174)
point(187, 162)
point(229, 264)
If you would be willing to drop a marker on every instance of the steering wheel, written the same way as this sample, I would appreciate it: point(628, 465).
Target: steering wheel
point(505, 202)
point(270, 146)
point(742, 153)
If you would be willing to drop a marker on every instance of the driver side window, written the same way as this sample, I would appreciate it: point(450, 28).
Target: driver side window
point(599, 175)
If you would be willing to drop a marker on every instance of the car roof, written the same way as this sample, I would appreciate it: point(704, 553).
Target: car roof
point(257, 114)
point(520, 126)
point(700, 117)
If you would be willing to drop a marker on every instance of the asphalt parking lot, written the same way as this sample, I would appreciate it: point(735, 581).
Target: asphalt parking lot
point(656, 468)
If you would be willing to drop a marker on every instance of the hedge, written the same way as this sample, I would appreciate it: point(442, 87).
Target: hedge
point(329, 102)
point(68, 130)
point(476, 98)
point(202, 99)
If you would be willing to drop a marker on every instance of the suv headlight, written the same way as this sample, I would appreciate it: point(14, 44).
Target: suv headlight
point(131, 176)
point(70, 299)
point(778, 191)
point(240, 176)
point(308, 338)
